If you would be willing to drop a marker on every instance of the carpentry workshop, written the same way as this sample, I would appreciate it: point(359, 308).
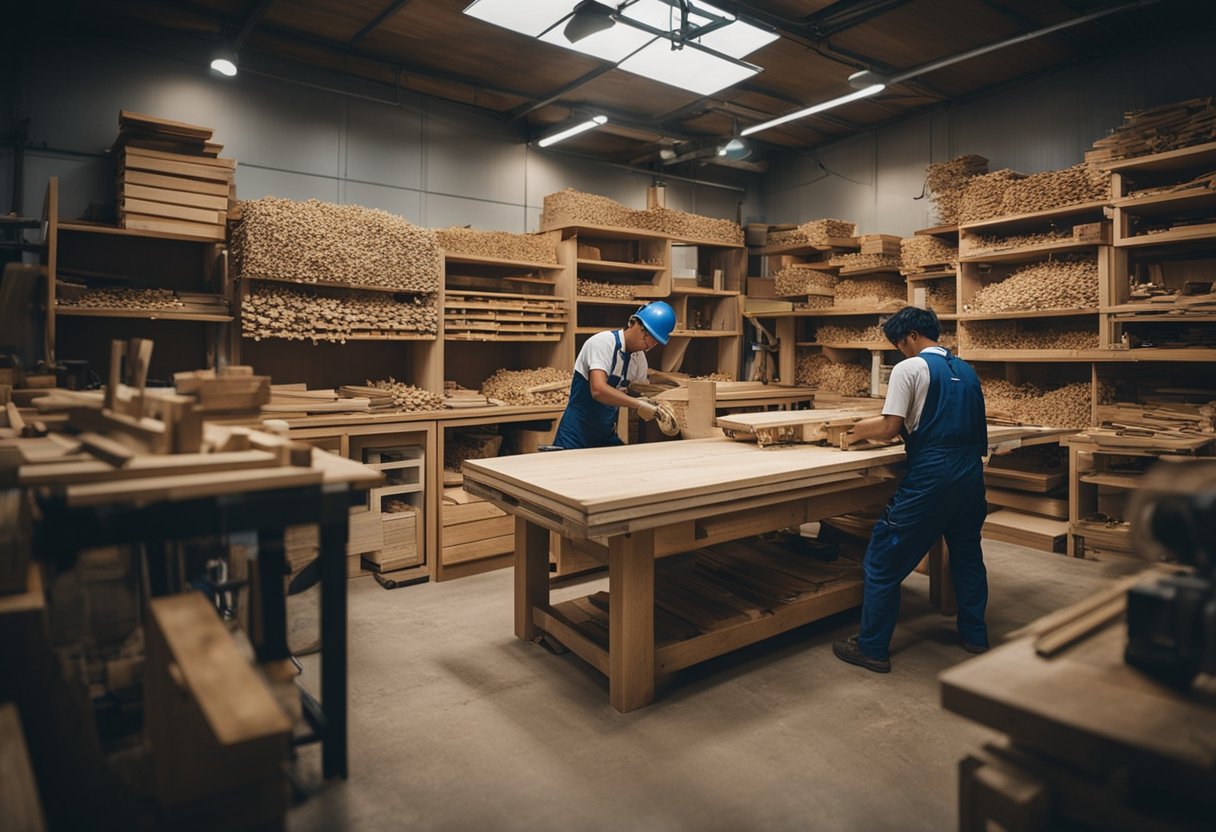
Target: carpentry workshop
point(661, 415)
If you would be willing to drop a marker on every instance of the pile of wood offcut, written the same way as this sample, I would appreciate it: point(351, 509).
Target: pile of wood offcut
point(569, 207)
point(946, 182)
point(918, 253)
point(1029, 404)
point(299, 315)
point(884, 295)
point(605, 289)
point(837, 334)
point(542, 386)
point(1156, 130)
point(1010, 335)
point(984, 195)
point(822, 232)
point(403, 396)
point(534, 248)
point(800, 280)
point(857, 261)
point(1004, 192)
point(1050, 284)
point(311, 242)
point(814, 369)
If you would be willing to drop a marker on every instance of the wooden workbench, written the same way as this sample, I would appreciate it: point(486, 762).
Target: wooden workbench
point(643, 502)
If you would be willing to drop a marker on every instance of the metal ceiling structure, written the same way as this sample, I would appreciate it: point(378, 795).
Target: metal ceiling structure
point(432, 47)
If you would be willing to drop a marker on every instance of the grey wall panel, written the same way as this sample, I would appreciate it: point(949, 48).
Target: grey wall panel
point(549, 172)
point(533, 218)
point(253, 182)
point(1030, 129)
point(781, 206)
point(469, 154)
point(293, 128)
point(400, 201)
point(440, 211)
point(384, 144)
point(82, 182)
point(905, 154)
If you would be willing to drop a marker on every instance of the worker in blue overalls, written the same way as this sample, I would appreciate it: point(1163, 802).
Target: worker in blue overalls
point(603, 371)
point(934, 400)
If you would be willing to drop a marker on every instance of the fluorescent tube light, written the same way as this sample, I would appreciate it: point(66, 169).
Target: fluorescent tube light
point(589, 124)
point(691, 68)
point(873, 89)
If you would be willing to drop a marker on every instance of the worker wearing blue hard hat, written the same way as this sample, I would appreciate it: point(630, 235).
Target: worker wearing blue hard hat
point(603, 371)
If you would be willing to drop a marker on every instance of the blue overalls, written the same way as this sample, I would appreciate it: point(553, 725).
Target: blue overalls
point(587, 423)
point(942, 495)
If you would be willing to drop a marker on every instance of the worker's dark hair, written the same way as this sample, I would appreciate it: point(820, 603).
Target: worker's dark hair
point(912, 319)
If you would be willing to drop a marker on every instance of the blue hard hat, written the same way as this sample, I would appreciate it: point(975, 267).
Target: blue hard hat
point(658, 318)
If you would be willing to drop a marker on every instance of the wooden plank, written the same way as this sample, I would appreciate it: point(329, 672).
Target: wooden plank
point(226, 165)
point(1056, 507)
point(456, 514)
point(173, 197)
point(141, 465)
point(476, 549)
point(198, 230)
point(1029, 530)
point(129, 206)
point(192, 170)
point(174, 183)
point(492, 527)
point(172, 489)
point(164, 126)
point(19, 803)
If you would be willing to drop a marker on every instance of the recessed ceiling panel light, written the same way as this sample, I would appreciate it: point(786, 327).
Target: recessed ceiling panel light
point(738, 40)
point(689, 68)
point(666, 16)
point(528, 17)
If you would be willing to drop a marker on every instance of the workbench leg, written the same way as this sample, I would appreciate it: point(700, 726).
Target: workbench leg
point(941, 583)
point(269, 628)
point(631, 620)
point(531, 575)
point(335, 517)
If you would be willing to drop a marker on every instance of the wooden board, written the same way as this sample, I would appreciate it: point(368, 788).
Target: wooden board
point(1029, 530)
point(198, 230)
point(1029, 503)
point(173, 197)
point(175, 183)
point(169, 488)
point(130, 206)
point(141, 465)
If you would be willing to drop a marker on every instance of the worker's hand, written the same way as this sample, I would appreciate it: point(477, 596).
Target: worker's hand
point(647, 410)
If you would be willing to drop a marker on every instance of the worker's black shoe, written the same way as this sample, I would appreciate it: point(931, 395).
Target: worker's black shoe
point(847, 650)
point(975, 648)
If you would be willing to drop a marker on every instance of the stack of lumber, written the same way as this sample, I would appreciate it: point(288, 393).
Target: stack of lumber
point(70, 295)
point(805, 279)
point(457, 397)
point(858, 261)
point(296, 400)
point(822, 233)
point(1202, 182)
point(1156, 130)
point(390, 394)
point(1165, 417)
point(469, 316)
point(946, 182)
point(1028, 487)
point(887, 244)
point(230, 391)
point(396, 534)
point(170, 178)
point(503, 245)
point(474, 528)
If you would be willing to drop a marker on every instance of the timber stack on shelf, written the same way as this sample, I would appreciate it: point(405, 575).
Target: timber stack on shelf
point(625, 258)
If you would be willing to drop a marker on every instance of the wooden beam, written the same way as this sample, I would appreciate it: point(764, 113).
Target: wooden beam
point(375, 22)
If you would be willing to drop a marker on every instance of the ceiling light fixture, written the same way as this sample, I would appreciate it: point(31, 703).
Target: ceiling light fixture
point(583, 127)
point(735, 150)
point(223, 61)
point(693, 46)
point(868, 82)
point(589, 17)
point(873, 89)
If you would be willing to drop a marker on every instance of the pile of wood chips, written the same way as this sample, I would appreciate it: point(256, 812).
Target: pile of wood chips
point(1156, 130)
point(984, 195)
point(860, 293)
point(814, 369)
point(856, 261)
point(605, 289)
point(569, 207)
point(822, 232)
point(917, 253)
point(946, 182)
point(814, 302)
point(837, 334)
point(1049, 284)
point(799, 280)
point(983, 243)
point(314, 241)
point(122, 298)
point(1029, 404)
point(942, 295)
point(1010, 335)
point(1055, 189)
point(503, 245)
point(404, 396)
point(299, 315)
point(512, 387)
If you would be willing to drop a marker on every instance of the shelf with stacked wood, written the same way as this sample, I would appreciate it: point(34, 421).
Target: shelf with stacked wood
point(1166, 199)
point(126, 282)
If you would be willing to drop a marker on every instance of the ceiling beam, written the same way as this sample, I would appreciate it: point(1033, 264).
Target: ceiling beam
point(251, 20)
point(561, 92)
point(375, 22)
point(843, 15)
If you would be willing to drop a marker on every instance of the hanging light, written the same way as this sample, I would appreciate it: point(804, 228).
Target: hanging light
point(223, 61)
point(589, 17)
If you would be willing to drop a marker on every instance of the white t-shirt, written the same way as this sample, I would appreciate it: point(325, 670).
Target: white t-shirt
point(908, 388)
point(599, 353)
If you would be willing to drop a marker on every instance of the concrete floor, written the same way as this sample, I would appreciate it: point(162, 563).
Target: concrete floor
point(457, 725)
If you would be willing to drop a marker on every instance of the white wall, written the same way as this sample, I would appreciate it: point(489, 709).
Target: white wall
point(1046, 124)
point(319, 135)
